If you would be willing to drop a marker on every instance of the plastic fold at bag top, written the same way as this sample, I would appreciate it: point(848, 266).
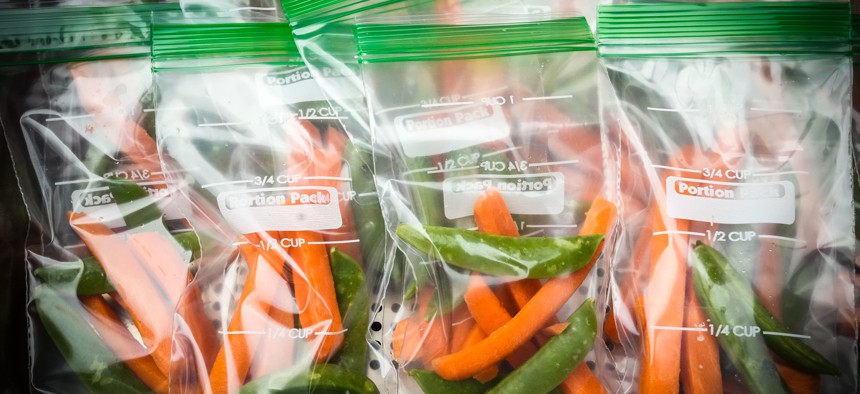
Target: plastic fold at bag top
point(246, 131)
point(493, 181)
point(737, 269)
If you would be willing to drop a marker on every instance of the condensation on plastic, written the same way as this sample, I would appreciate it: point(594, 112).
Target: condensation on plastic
point(259, 154)
point(506, 121)
point(752, 156)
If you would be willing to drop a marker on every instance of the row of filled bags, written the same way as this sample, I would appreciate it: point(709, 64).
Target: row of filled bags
point(419, 196)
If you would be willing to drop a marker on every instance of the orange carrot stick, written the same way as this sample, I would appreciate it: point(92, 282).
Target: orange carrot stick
point(142, 297)
point(700, 353)
point(475, 336)
point(799, 382)
point(582, 381)
point(315, 295)
point(417, 341)
point(276, 351)
point(234, 357)
point(114, 333)
point(164, 263)
point(664, 302)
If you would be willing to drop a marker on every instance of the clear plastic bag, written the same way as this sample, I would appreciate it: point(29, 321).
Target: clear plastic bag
point(254, 146)
point(735, 266)
point(485, 131)
point(77, 114)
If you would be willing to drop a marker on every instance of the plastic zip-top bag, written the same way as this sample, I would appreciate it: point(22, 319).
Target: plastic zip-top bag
point(735, 271)
point(240, 128)
point(495, 184)
point(108, 254)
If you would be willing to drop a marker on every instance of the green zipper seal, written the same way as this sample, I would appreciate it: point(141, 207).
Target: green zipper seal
point(193, 46)
point(383, 43)
point(684, 29)
point(56, 35)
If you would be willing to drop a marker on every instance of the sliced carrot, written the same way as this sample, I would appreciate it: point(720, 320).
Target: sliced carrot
point(236, 353)
point(142, 296)
point(768, 278)
point(700, 353)
point(475, 336)
point(164, 263)
point(461, 326)
point(664, 302)
point(315, 295)
point(114, 333)
point(277, 350)
point(491, 316)
point(582, 381)
point(555, 329)
point(492, 215)
point(416, 341)
point(799, 382)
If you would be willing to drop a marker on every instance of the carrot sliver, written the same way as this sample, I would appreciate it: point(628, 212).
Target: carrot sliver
point(315, 295)
point(142, 297)
point(582, 381)
point(768, 279)
point(799, 382)
point(555, 329)
point(700, 353)
point(275, 352)
point(117, 337)
point(492, 215)
point(237, 350)
point(477, 335)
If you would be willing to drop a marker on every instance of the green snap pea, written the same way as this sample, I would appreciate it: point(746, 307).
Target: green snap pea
point(557, 359)
point(791, 349)
point(728, 304)
point(521, 257)
point(368, 213)
point(431, 383)
point(354, 303)
point(323, 378)
point(85, 352)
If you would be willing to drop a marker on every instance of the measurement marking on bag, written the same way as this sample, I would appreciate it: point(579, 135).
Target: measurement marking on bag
point(717, 330)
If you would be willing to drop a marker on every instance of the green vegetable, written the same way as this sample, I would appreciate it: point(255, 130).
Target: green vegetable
point(798, 290)
point(89, 275)
point(427, 205)
point(728, 304)
point(324, 378)
point(85, 352)
point(353, 301)
point(557, 359)
point(790, 349)
point(431, 383)
point(368, 212)
point(137, 208)
point(521, 257)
